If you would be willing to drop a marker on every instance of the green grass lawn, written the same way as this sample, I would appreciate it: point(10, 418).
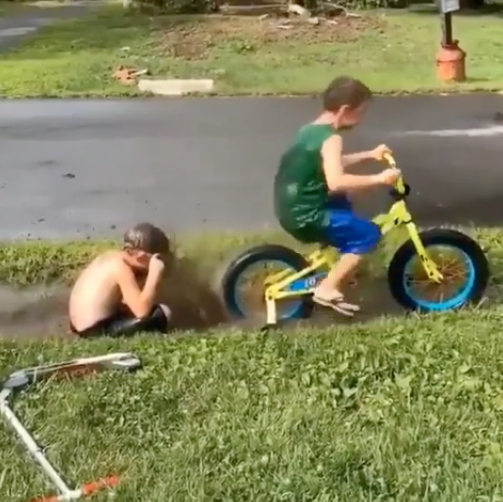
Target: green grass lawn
point(398, 409)
point(392, 52)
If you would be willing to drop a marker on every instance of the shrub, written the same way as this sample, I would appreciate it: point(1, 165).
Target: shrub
point(180, 6)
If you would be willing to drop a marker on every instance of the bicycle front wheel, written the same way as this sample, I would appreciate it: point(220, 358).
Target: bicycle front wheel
point(460, 260)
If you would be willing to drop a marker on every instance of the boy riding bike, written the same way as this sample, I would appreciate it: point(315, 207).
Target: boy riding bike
point(311, 188)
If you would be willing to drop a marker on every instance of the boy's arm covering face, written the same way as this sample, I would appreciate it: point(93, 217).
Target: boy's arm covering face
point(130, 289)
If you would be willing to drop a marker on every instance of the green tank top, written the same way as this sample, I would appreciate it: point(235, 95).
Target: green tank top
point(300, 190)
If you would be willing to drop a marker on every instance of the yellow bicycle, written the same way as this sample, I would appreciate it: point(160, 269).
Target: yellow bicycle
point(435, 270)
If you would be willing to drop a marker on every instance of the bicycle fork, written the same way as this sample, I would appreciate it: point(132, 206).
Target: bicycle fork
point(429, 265)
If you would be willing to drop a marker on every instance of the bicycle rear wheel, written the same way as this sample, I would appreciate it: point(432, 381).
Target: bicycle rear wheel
point(243, 283)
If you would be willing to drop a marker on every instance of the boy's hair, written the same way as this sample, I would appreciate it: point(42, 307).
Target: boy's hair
point(146, 237)
point(345, 91)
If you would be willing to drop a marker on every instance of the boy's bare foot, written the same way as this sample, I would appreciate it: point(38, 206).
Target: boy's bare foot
point(335, 300)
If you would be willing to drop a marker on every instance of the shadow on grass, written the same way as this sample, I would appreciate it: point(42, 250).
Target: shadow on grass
point(479, 80)
point(428, 9)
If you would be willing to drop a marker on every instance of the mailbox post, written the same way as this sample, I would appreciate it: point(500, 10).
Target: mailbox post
point(450, 57)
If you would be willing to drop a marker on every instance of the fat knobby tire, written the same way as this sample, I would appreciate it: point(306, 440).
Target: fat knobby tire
point(438, 236)
point(263, 253)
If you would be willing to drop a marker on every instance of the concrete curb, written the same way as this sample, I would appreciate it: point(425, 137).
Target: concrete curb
point(175, 87)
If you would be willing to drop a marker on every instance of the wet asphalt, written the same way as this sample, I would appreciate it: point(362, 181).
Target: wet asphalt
point(78, 169)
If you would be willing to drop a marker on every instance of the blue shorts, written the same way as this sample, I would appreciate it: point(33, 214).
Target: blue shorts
point(350, 233)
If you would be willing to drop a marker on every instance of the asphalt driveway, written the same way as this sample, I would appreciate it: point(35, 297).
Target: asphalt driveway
point(74, 168)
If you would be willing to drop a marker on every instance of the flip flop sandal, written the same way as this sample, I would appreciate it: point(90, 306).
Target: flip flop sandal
point(338, 304)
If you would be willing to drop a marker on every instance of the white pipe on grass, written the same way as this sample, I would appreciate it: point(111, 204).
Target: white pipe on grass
point(32, 446)
point(19, 379)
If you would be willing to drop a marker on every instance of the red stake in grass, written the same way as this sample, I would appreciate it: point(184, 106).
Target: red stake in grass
point(85, 490)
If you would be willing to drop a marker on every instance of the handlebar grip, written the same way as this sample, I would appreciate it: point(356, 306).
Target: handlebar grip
point(390, 160)
point(400, 189)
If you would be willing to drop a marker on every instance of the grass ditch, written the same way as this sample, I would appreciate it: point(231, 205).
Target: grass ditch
point(189, 288)
point(35, 262)
point(398, 409)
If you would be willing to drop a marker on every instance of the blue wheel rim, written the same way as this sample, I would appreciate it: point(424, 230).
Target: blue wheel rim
point(458, 299)
point(294, 309)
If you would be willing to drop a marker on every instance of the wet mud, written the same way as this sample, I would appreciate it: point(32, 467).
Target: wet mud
point(191, 293)
point(33, 312)
point(42, 311)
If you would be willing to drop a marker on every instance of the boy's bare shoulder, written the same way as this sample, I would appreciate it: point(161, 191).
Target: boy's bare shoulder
point(111, 256)
point(116, 260)
point(109, 260)
point(332, 145)
point(334, 138)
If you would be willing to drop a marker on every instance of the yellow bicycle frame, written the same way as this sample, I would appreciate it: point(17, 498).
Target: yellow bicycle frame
point(325, 257)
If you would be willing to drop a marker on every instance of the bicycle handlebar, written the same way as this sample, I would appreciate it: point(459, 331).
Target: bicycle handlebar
point(390, 160)
point(400, 186)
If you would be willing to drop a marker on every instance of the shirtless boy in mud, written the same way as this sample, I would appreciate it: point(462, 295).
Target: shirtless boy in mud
point(108, 299)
